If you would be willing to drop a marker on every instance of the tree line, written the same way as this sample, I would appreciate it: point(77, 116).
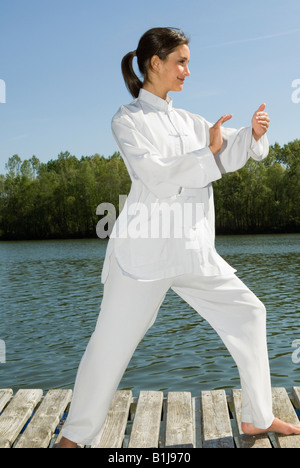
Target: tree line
point(58, 199)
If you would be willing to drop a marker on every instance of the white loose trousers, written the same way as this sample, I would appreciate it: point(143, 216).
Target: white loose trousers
point(129, 307)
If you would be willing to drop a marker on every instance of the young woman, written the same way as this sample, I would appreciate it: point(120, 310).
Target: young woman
point(172, 157)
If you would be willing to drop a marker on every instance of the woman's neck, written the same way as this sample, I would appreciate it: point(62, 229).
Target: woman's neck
point(155, 90)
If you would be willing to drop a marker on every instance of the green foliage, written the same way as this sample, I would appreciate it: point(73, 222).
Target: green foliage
point(59, 199)
point(261, 197)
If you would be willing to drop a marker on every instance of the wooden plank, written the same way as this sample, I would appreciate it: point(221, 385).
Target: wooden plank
point(296, 394)
point(247, 441)
point(284, 410)
point(179, 421)
point(146, 424)
point(42, 426)
point(217, 432)
point(5, 396)
point(116, 421)
point(16, 414)
point(4, 443)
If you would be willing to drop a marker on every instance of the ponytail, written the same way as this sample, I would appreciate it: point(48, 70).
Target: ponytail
point(132, 82)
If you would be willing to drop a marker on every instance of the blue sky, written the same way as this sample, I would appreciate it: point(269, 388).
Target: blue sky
point(60, 61)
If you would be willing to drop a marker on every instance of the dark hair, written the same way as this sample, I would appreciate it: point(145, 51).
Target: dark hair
point(156, 41)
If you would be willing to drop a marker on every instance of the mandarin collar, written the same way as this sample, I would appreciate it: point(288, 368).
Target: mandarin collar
point(155, 101)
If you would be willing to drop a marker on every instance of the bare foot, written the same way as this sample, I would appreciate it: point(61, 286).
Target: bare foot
point(66, 443)
point(278, 426)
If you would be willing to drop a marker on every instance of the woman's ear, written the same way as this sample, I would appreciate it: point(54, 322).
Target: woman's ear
point(155, 63)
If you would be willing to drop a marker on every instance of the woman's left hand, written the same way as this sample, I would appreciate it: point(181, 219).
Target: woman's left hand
point(260, 122)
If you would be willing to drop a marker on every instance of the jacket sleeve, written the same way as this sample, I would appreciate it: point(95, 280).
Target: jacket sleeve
point(238, 146)
point(163, 176)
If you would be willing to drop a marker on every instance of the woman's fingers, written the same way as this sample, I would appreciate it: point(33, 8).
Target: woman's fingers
point(262, 117)
point(261, 107)
point(260, 122)
point(215, 132)
point(223, 119)
point(227, 117)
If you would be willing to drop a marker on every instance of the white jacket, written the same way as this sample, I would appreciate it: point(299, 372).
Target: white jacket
point(166, 227)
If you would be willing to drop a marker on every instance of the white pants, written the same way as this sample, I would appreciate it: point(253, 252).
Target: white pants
point(129, 307)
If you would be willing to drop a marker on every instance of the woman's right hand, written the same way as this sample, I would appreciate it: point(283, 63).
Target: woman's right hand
point(215, 134)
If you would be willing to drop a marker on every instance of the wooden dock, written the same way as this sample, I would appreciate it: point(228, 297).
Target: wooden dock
point(30, 419)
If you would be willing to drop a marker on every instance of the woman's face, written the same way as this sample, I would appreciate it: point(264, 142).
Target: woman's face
point(172, 72)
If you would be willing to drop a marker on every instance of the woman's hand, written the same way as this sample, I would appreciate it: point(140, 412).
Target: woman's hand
point(215, 134)
point(260, 122)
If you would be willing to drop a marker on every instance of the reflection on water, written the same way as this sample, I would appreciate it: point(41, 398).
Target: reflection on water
point(51, 293)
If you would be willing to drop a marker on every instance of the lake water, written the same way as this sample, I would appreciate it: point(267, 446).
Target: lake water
point(50, 298)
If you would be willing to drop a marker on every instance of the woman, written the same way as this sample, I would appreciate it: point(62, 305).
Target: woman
point(172, 157)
